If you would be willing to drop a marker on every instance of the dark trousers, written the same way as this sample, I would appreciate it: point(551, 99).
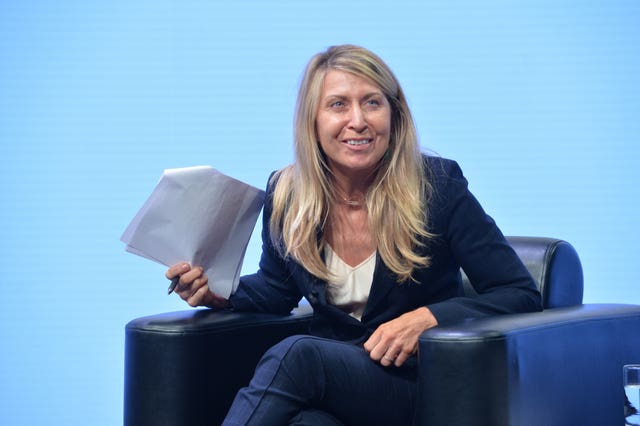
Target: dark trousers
point(306, 380)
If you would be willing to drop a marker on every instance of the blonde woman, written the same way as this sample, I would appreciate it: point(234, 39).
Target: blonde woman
point(373, 234)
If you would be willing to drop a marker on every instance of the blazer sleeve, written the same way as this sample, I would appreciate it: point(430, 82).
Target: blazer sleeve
point(272, 289)
point(502, 282)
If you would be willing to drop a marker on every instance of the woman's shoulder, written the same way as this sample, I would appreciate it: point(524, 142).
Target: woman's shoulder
point(446, 182)
point(278, 177)
point(440, 169)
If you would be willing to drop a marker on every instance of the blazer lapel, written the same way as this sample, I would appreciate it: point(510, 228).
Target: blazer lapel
point(383, 282)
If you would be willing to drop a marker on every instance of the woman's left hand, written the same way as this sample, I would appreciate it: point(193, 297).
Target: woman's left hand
point(395, 341)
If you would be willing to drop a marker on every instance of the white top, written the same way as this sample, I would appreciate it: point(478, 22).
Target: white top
point(350, 286)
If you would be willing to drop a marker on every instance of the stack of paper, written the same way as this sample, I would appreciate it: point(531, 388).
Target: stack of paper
point(198, 215)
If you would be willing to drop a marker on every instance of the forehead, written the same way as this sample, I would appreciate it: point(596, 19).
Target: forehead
point(342, 83)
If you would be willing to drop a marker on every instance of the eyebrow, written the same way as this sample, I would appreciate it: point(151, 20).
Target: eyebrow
point(366, 96)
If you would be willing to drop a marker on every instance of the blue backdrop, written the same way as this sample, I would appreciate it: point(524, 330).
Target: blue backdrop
point(537, 100)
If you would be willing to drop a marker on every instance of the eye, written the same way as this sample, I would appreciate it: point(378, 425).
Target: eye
point(373, 103)
point(336, 104)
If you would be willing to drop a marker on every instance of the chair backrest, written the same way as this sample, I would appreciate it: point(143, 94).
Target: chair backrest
point(555, 267)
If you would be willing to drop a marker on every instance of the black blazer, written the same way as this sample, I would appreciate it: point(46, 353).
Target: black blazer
point(466, 237)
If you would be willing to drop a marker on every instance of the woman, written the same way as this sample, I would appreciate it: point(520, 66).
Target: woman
point(373, 234)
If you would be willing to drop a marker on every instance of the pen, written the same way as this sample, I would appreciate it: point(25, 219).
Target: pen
point(174, 283)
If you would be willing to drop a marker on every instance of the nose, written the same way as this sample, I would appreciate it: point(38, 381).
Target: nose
point(357, 120)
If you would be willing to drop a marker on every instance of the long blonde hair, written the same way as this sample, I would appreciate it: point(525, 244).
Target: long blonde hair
point(397, 199)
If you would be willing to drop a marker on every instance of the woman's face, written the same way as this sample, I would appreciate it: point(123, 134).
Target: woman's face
point(353, 123)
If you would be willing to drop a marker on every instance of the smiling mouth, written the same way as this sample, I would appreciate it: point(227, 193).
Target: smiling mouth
point(357, 142)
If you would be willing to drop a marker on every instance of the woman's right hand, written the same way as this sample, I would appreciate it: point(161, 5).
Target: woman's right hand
point(193, 288)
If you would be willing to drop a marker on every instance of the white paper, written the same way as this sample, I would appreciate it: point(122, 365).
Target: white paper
point(198, 215)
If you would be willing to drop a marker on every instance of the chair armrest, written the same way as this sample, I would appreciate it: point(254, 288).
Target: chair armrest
point(184, 368)
point(555, 267)
point(557, 367)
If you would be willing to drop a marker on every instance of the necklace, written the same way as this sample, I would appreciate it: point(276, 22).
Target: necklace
point(351, 202)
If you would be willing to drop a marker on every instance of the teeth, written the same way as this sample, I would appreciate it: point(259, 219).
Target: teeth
point(357, 142)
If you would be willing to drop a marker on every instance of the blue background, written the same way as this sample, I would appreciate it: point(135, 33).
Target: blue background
point(537, 100)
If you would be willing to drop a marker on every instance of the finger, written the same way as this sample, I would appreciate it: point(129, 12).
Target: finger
point(384, 346)
point(197, 298)
point(199, 283)
point(371, 343)
point(402, 357)
point(177, 269)
point(386, 361)
point(187, 279)
point(190, 287)
point(390, 357)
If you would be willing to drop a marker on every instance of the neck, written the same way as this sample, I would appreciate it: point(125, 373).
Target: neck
point(349, 192)
point(354, 200)
point(353, 185)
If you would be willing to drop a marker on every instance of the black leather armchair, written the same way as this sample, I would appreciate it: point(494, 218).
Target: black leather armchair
point(562, 366)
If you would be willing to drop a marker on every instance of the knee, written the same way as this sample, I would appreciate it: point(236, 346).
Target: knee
point(295, 363)
point(296, 348)
point(299, 357)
